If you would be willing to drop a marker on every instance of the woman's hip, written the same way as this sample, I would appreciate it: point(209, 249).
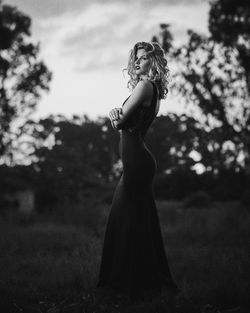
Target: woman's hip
point(139, 165)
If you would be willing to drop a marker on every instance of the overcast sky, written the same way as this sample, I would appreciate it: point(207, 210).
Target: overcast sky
point(86, 44)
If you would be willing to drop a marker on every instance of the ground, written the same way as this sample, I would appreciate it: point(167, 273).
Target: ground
point(51, 265)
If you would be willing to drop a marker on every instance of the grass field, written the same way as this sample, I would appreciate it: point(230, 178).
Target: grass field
point(51, 263)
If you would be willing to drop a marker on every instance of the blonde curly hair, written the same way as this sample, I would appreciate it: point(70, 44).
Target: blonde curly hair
point(159, 70)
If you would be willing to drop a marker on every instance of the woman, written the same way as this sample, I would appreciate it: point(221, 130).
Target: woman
point(133, 258)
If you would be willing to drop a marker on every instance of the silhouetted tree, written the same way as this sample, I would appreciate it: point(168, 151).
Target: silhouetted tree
point(73, 155)
point(229, 23)
point(23, 77)
point(210, 78)
point(172, 138)
point(164, 38)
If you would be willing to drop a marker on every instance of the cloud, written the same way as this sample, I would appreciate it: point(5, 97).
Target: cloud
point(53, 8)
point(102, 35)
point(48, 8)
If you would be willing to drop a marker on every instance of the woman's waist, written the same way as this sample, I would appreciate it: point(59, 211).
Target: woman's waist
point(138, 158)
point(130, 138)
point(133, 145)
point(135, 148)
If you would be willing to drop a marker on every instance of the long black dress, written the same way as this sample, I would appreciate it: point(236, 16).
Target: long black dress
point(133, 256)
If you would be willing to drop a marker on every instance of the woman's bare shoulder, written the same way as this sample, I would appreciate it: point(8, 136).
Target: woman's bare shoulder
point(145, 83)
point(144, 87)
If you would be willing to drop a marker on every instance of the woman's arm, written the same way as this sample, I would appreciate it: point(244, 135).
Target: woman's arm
point(142, 92)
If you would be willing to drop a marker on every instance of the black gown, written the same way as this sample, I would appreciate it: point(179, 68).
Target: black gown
point(133, 257)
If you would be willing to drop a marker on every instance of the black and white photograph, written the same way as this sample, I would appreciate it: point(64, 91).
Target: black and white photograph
point(124, 156)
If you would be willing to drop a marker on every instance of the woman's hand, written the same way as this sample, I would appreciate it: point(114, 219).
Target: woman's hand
point(114, 115)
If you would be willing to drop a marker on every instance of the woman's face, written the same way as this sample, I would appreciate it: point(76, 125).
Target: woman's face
point(142, 62)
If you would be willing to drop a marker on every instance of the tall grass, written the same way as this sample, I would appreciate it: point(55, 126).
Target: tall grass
point(56, 257)
point(209, 250)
